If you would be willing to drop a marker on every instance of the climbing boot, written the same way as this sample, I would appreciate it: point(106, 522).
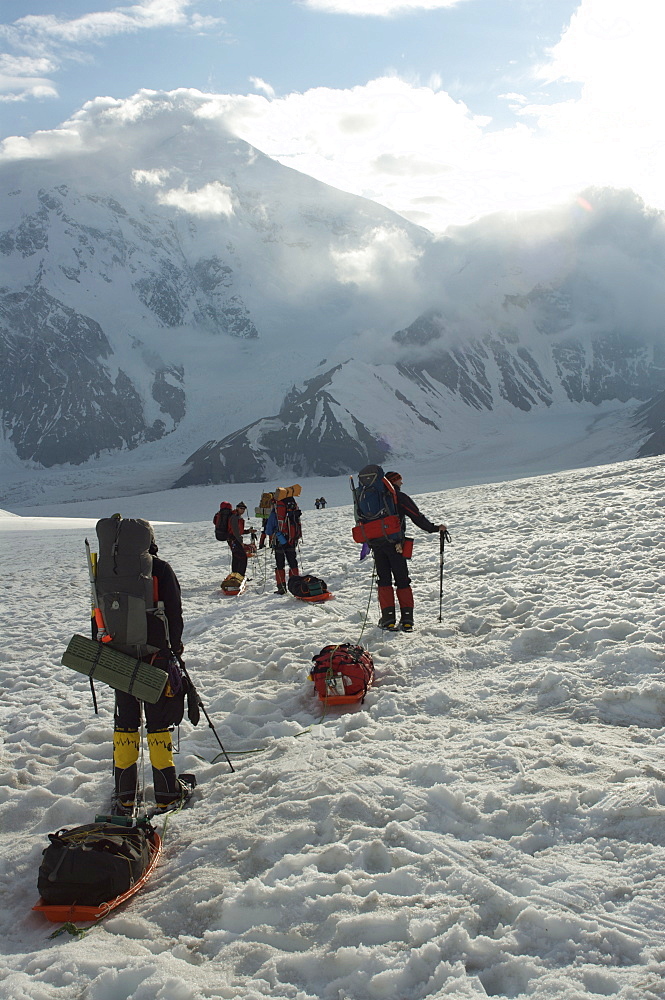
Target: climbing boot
point(387, 620)
point(406, 622)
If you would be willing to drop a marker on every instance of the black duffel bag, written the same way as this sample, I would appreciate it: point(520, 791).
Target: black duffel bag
point(307, 586)
point(92, 864)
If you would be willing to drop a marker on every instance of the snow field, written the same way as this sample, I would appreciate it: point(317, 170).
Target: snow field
point(488, 823)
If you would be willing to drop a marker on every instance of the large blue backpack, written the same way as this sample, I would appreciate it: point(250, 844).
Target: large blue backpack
point(376, 507)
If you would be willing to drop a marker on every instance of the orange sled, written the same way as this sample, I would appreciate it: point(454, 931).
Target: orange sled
point(59, 913)
point(343, 699)
point(317, 598)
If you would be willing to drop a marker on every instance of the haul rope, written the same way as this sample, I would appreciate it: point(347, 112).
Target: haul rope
point(371, 588)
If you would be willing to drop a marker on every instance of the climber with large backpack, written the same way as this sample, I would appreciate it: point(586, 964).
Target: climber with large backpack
point(140, 606)
point(284, 531)
point(230, 527)
point(381, 509)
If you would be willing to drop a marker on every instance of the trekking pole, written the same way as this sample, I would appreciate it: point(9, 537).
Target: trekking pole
point(202, 707)
point(443, 538)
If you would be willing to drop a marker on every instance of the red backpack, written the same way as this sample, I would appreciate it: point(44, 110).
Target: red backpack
point(221, 522)
point(342, 674)
point(288, 520)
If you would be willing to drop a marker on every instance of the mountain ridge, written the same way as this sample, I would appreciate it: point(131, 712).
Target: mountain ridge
point(170, 290)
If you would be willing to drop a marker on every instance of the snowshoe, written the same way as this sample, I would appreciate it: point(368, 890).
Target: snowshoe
point(187, 784)
point(122, 806)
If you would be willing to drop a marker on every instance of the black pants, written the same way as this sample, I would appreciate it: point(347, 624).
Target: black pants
point(390, 564)
point(286, 554)
point(238, 557)
point(166, 712)
point(161, 715)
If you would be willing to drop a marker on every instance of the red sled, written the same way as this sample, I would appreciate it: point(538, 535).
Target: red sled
point(389, 527)
point(60, 913)
point(317, 598)
point(342, 674)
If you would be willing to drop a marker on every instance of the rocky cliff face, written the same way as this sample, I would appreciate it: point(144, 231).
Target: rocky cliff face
point(611, 365)
point(63, 403)
point(65, 396)
point(313, 434)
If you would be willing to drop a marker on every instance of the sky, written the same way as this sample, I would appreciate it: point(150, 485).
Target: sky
point(489, 823)
point(443, 110)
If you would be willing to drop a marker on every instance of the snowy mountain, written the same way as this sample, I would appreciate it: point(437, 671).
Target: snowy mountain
point(149, 271)
point(171, 291)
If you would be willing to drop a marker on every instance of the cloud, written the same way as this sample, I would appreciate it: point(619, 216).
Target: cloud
point(414, 149)
point(154, 178)
point(377, 8)
point(211, 199)
point(385, 252)
point(54, 40)
point(100, 24)
point(262, 86)
point(23, 76)
point(389, 140)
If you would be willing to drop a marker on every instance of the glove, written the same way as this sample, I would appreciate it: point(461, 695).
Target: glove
point(193, 705)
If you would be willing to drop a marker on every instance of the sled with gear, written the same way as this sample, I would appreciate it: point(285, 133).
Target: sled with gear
point(342, 674)
point(309, 588)
point(88, 871)
point(375, 507)
point(233, 585)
